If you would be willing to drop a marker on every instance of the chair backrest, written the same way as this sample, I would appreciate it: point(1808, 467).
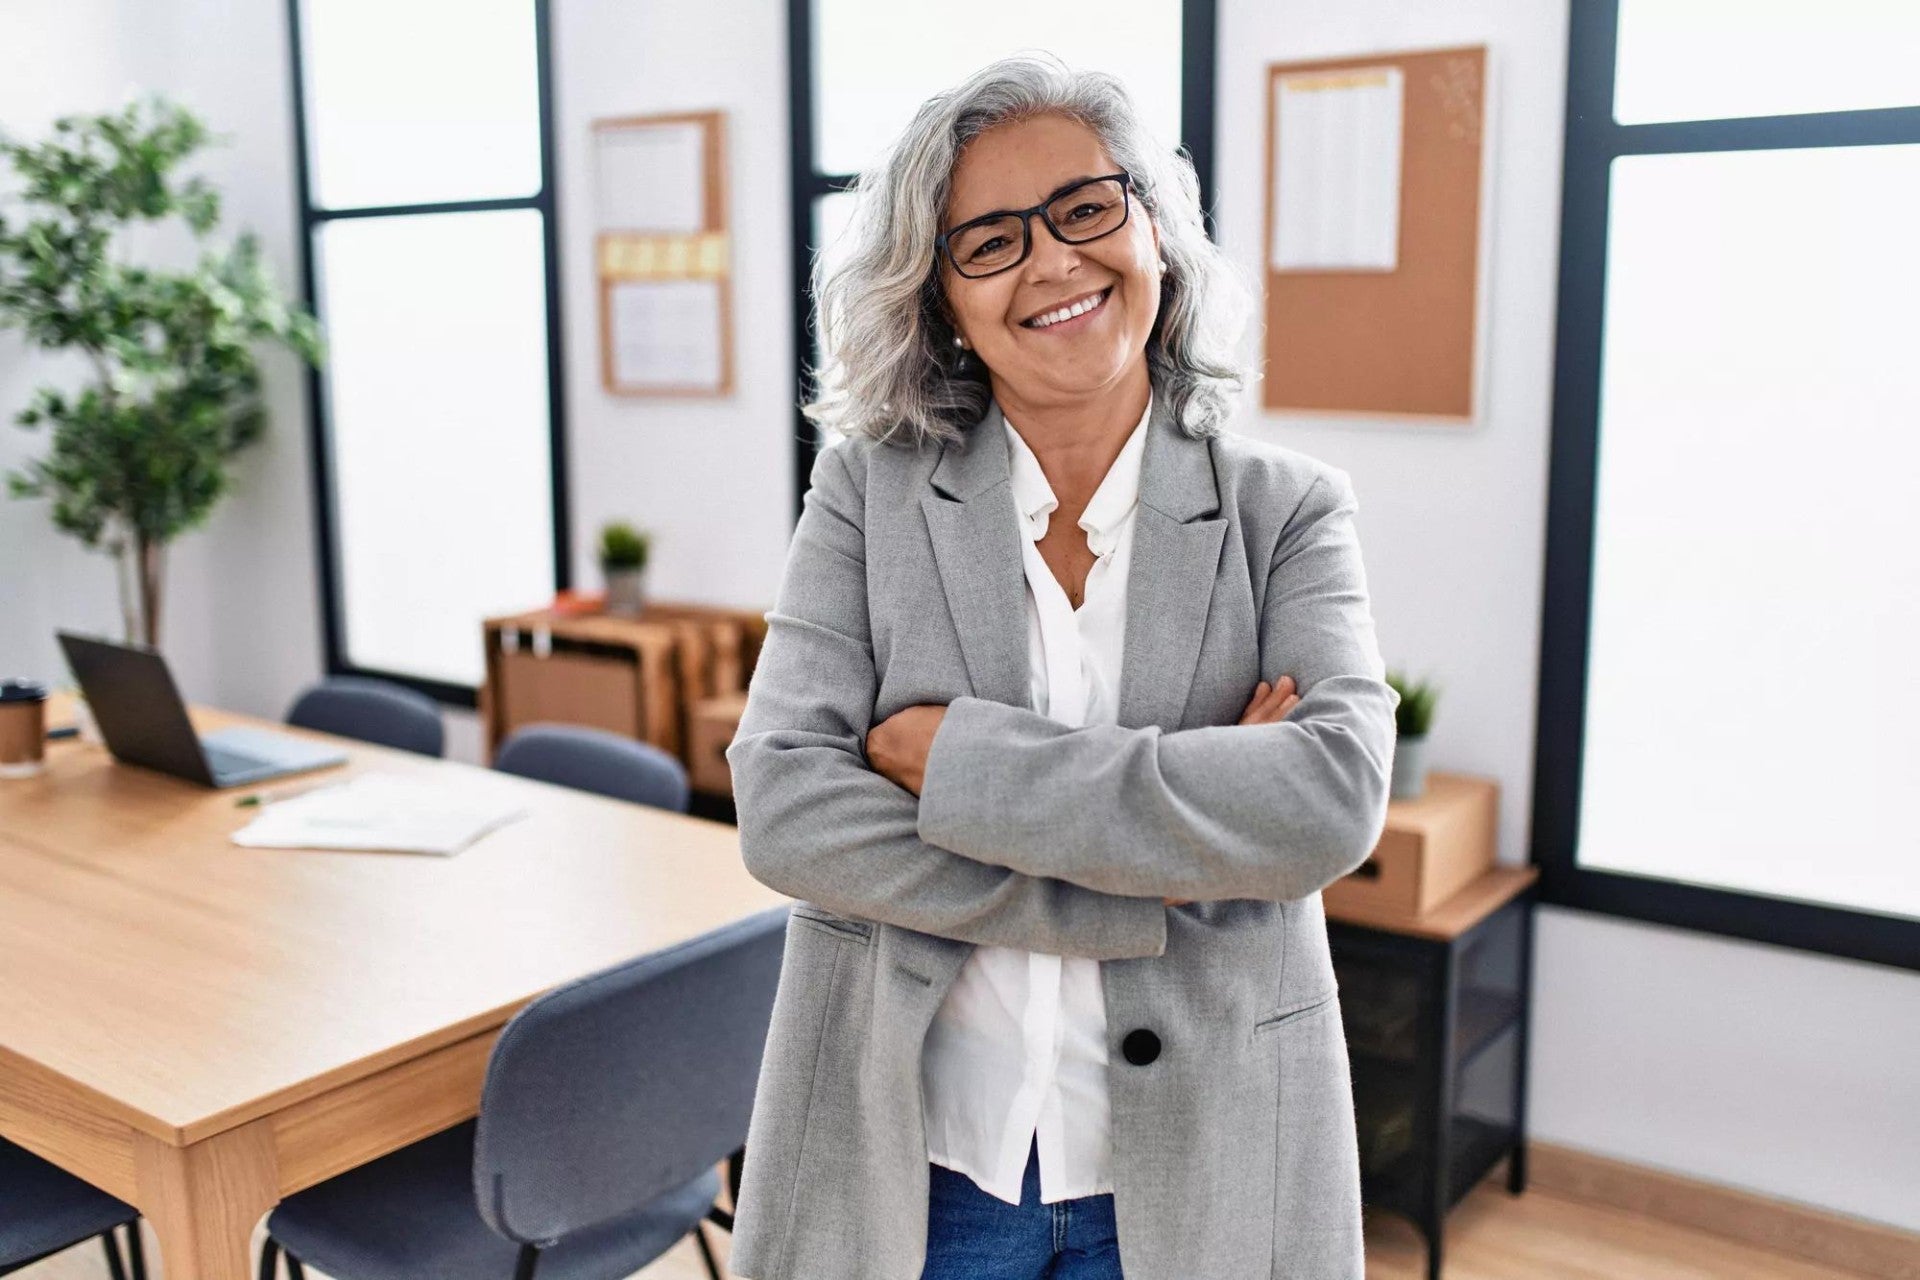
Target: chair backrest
point(376, 711)
point(608, 1092)
point(595, 760)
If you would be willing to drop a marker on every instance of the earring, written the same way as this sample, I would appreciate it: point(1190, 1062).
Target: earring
point(959, 342)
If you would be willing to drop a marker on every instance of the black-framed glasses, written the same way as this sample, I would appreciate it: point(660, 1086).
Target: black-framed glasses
point(1001, 241)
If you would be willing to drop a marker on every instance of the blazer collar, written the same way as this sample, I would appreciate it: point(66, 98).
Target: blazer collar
point(1107, 511)
point(972, 524)
point(1176, 470)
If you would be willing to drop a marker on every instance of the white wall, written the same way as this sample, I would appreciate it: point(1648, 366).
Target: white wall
point(1754, 1066)
point(56, 57)
point(713, 478)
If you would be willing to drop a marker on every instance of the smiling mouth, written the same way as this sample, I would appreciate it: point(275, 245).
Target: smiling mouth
point(1060, 315)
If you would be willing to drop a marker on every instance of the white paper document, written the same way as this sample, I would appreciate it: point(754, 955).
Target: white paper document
point(666, 333)
point(1336, 170)
point(383, 811)
point(651, 177)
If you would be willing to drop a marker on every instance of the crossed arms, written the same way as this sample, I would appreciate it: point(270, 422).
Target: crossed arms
point(1032, 834)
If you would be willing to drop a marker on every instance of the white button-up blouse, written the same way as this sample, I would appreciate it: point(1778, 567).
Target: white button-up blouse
point(1017, 1052)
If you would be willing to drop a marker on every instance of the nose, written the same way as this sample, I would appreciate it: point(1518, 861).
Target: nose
point(1050, 257)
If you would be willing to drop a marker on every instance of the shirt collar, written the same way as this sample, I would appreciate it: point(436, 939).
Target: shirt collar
point(1111, 503)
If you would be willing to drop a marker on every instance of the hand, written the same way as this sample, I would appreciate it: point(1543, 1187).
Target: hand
point(1268, 704)
point(897, 747)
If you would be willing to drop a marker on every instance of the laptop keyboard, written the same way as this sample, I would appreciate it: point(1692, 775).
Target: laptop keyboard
point(221, 760)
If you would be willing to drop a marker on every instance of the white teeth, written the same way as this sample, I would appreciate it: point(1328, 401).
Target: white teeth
point(1066, 313)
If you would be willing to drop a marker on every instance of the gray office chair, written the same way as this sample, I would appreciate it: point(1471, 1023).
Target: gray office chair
point(377, 711)
point(45, 1210)
point(607, 1105)
point(595, 760)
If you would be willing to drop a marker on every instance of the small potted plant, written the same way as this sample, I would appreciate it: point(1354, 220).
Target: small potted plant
point(623, 564)
point(1411, 720)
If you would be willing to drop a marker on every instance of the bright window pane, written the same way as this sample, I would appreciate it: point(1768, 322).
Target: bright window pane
point(1718, 59)
point(421, 101)
point(1756, 597)
point(876, 61)
point(437, 393)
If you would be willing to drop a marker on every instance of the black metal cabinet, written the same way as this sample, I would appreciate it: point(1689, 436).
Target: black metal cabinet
point(1436, 1023)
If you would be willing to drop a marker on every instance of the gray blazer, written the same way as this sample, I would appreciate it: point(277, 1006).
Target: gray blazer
point(1234, 1151)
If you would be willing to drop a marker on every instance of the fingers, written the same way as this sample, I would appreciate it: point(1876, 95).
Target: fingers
point(1271, 702)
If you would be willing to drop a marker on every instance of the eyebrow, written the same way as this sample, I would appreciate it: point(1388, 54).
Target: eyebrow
point(1058, 191)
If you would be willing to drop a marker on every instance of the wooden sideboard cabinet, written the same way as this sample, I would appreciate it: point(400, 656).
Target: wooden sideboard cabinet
point(656, 677)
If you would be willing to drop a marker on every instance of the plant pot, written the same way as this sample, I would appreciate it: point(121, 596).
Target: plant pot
point(626, 591)
point(1409, 766)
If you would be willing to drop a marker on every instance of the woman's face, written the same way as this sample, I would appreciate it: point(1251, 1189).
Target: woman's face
point(1015, 166)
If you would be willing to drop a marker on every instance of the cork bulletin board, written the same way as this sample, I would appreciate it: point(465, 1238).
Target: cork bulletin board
point(1394, 327)
point(662, 254)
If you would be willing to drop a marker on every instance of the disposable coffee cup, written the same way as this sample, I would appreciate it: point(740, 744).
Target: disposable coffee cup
point(23, 727)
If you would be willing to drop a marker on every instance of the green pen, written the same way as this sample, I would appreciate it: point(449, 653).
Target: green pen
point(247, 802)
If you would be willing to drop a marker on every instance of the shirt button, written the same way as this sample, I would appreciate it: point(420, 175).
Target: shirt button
point(1140, 1047)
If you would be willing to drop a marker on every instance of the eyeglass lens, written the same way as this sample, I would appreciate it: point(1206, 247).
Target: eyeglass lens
point(1088, 211)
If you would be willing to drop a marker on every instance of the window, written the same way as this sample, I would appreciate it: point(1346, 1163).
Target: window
point(1733, 555)
point(861, 67)
point(426, 186)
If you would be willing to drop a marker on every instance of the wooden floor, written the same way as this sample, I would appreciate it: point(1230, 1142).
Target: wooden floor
point(1491, 1236)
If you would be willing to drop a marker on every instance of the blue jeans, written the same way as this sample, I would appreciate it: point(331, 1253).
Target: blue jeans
point(974, 1236)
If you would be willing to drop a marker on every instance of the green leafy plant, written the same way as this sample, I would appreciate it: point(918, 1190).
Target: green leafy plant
point(139, 454)
point(623, 547)
point(1414, 716)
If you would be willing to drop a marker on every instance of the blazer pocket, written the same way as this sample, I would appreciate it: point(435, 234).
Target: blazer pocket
point(860, 931)
point(1293, 1012)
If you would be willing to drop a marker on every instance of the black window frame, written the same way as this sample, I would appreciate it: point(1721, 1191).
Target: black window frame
point(311, 219)
point(1198, 40)
point(1592, 141)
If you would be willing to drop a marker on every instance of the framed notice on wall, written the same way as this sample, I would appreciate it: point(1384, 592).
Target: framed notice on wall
point(663, 255)
point(1374, 235)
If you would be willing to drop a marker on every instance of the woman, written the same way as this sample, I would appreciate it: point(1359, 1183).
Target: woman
point(1057, 997)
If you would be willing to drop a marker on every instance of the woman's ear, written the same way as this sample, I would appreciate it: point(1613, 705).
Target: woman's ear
point(946, 314)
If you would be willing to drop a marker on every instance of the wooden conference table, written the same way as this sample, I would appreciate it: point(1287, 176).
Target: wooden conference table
point(201, 1028)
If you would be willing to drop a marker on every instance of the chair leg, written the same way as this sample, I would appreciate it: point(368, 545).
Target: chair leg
point(270, 1259)
point(706, 1251)
point(111, 1243)
point(294, 1270)
point(529, 1259)
point(136, 1251)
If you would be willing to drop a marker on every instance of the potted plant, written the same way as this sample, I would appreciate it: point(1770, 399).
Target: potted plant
point(140, 453)
point(623, 564)
point(1411, 720)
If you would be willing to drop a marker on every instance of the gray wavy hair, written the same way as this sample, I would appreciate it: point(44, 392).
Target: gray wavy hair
point(890, 370)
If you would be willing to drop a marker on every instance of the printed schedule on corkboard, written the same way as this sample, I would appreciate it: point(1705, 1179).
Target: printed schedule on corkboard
point(1372, 251)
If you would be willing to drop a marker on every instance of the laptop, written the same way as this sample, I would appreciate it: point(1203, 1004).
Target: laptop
point(144, 721)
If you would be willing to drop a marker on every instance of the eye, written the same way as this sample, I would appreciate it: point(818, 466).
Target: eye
point(986, 246)
point(1089, 205)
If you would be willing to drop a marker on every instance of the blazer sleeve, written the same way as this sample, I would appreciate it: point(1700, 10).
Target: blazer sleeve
point(817, 823)
point(1272, 811)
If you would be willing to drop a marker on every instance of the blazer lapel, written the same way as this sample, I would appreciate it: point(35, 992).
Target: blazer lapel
point(976, 546)
point(1176, 559)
